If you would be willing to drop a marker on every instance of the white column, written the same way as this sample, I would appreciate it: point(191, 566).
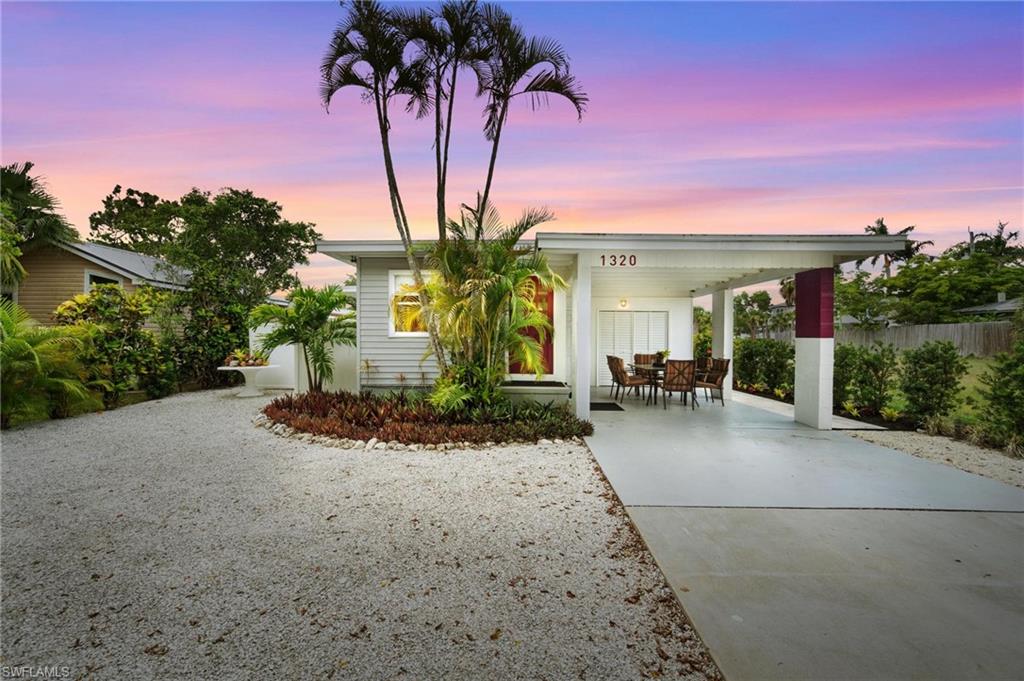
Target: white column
point(722, 333)
point(581, 335)
point(812, 394)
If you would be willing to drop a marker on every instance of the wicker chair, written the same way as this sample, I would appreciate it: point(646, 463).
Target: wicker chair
point(680, 377)
point(715, 379)
point(625, 381)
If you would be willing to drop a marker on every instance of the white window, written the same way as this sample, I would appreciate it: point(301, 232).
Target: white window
point(92, 278)
point(403, 299)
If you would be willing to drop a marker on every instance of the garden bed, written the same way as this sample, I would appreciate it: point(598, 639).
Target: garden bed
point(409, 419)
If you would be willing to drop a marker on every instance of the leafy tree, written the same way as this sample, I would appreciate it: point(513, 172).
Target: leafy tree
point(33, 210)
point(701, 332)
point(752, 312)
point(1003, 246)
point(311, 321)
point(138, 221)
point(862, 298)
point(930, 379)
point(39, 367)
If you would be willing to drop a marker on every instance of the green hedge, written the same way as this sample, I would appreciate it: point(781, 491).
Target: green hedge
point(763, 361)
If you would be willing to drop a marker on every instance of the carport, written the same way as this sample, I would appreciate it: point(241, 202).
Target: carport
point(611, 270)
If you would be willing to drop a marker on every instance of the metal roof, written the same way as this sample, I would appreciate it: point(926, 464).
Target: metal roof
point(138, 267)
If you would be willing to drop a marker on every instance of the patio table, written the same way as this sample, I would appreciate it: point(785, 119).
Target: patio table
point(249, 373)
point(652, 372)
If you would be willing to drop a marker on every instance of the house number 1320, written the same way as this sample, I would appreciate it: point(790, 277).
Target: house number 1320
point(618, 261)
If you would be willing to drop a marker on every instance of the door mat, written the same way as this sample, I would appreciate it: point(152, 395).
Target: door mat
point(605, 406)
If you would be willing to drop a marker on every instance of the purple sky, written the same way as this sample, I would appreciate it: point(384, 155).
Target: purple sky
point(730, 117)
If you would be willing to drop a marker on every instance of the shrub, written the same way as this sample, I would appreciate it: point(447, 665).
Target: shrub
point(40, 374)
point(930, 379)
point(845, 363)
point(409, 418)
point(1003, 412)
point(121, 354)
point(763, 361)
point(875, 376)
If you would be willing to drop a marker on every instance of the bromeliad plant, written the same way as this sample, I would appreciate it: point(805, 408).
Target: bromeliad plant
point(313, 320)
point(484, 299)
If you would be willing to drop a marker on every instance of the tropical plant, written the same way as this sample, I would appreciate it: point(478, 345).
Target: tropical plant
point(519, 66)
point(39, 367)
point(701, 332)
point(930, 379)
point(763, 360)
point(787, 289)
point(34, 211)
point(1004, 395)
point(313, 321)
point(861, 297)
point(11, 271)
point(752, 312)
point(845, 365)
point(875, 376)
point(912, 248)
point(484, 296)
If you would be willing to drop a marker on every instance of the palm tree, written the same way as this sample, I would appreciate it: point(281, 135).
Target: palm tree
point(312, 322)
point(11, 271)
point(367, 52)
point(911, 249)
point(39, 366)
point(787, 289)
point(517, 65)
point(449, 39)
point(34, 211)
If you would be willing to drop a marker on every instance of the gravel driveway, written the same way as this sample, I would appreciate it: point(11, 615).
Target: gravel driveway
point(175, 539)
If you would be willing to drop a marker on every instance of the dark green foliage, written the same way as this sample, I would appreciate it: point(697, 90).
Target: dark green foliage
point(930, 379)
point(763, 361)
point(120, 353)
point(845, 366)
point(701, 332)
point(1004, 393)
point(409, 418)
point(34, 212)
point(875, 376)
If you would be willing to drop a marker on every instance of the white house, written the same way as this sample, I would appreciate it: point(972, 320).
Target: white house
point(629, 293)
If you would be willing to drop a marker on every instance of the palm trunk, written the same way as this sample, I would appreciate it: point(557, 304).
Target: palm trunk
point(440, 156)
point(494, 157)
point(402, 223)
point(443, 176)
point(309, 371)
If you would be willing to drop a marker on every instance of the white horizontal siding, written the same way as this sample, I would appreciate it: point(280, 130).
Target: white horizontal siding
point(389, 358)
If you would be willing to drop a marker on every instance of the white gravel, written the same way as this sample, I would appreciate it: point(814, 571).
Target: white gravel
point(175, 539)
point(957, 453)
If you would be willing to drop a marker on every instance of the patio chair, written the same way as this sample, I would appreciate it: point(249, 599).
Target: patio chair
point(715, 379)
point(703, 366)
point(681, 377)
point(624, 380)
point(644, 359)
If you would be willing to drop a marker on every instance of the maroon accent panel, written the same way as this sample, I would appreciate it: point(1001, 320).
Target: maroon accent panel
point(814, 293)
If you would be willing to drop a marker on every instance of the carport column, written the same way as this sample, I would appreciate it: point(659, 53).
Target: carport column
point(581, 335)
point(812, 394)
point(722, 333)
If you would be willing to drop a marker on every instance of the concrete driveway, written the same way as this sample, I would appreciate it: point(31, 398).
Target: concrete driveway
point(801, 554)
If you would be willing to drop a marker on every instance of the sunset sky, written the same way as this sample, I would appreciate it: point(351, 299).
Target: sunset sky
point(726, 118)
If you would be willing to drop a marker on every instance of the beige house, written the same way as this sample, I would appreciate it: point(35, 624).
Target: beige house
point(58, 272)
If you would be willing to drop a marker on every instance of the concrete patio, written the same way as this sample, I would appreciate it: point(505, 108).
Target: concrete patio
point(806, 554)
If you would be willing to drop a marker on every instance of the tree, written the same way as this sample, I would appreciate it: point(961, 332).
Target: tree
point(137, 221)
point(312, 322)
point(862, 298)
point(517, 66)
point(787, 289)
point(701, 332)
point(33, 210)
point(752, 312)
point(912, 248)
point(1003, 246)
point(11, 271)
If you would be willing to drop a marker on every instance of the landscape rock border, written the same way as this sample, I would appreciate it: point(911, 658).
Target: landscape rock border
point(261, 420)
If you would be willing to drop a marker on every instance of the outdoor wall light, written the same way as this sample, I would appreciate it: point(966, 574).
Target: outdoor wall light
point(623, 303)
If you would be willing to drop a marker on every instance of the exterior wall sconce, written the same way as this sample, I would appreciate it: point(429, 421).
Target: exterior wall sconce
point(623, 303)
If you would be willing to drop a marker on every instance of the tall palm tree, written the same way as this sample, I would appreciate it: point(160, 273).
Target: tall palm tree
point(33, 209)
point(449, 40)
point(517, 65)
point(11, 271)
point(367, 52)
point(787, 289)
point(911, 249)
point(312, 322)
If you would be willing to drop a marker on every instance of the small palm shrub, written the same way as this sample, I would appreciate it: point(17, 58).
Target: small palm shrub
point(930, 379)
point(410, 418)
point(40, 374)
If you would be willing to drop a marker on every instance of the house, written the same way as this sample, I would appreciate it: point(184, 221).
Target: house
point(57, 272)
point(628, 293)
point(1000, 308)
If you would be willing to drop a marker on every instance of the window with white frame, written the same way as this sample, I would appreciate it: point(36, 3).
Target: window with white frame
point(404, 305)
point(93, 278)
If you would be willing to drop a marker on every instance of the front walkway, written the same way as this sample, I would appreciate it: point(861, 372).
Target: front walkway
point(802, 554)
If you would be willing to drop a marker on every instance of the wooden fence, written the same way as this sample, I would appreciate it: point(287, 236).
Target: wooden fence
point(982, 339)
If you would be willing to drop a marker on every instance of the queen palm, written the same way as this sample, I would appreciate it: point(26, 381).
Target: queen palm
point(311, 321)
point(911, 249)
point(367, 52)
point(519, 66)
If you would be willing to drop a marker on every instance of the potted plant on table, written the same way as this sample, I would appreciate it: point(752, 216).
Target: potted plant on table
point(660, 356)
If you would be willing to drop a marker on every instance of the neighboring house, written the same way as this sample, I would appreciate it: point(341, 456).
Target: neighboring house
point(1001, 307)
point(57, 272)
point(627, 293)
